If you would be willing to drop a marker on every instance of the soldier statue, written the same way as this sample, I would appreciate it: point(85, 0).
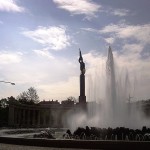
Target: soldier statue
point(82, 64)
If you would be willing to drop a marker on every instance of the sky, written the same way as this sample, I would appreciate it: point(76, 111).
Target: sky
point(40, 41)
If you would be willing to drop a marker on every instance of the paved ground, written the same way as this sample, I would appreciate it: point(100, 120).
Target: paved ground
point(20, 147)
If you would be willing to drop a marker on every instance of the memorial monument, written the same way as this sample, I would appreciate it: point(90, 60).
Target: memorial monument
point(82, 97)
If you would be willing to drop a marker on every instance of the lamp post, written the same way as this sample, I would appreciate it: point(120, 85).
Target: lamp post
point(8, 82)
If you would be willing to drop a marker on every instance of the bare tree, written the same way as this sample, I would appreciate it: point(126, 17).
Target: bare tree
point(71, 98)
point(3, 103)
point(29, 96)
point(32, 95)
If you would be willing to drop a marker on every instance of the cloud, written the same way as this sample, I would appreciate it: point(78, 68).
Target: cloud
point(44, 53)
point(85, 7)
point(10, 6)
point(132, 49)
point(141, 33)
point(110, 40)
point(130, 57)
point(120, 12)
point(89, 29)
point(9, 57)
point(53, 78)
point(61, 90)
point(122, 31)
point(53, 37)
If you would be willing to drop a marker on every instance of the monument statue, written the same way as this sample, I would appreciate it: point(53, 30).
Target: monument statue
point(82, 97)
point(82, 64)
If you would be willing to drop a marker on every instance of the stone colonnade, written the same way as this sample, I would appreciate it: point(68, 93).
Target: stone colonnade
point(36, 116)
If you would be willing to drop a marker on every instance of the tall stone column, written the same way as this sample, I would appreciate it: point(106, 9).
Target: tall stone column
point(49, 118)
point(44, 118)
point(28, 118)
point(19, 116)
point(23, 119)
point(38, 118)
point(11, 115)
point(82, 97)
point(33, 117)
point(15, 116)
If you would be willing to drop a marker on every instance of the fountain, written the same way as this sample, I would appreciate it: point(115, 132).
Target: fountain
point(115, 110)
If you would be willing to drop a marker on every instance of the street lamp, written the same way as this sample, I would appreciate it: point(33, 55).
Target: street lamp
point(8, 82)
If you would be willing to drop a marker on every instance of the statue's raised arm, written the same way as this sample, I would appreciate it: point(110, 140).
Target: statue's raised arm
point(82, 64)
